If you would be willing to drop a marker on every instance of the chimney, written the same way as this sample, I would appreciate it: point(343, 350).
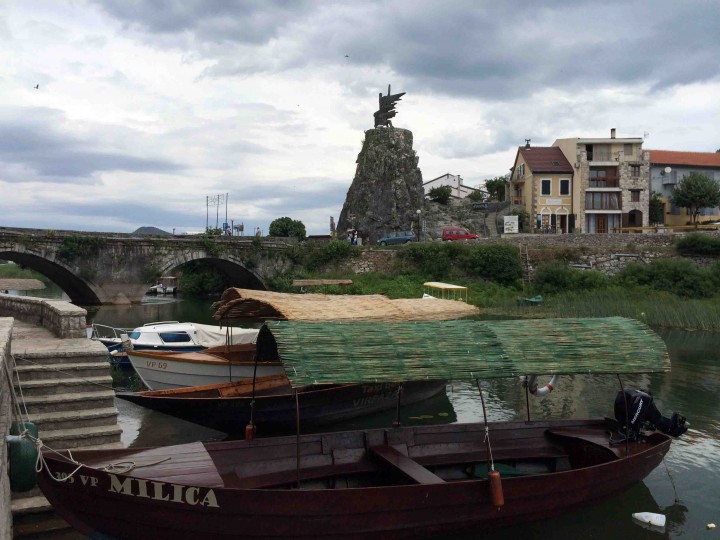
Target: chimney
point(612, 133)
point(527, 143)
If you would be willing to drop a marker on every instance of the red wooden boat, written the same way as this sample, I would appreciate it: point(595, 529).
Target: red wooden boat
point(409, 482)
point(394, 483)
point(227, 407)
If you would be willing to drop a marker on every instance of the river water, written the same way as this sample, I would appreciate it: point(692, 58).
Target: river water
point(686, 488)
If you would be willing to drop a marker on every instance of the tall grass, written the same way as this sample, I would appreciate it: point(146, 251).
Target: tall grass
point(656, 308)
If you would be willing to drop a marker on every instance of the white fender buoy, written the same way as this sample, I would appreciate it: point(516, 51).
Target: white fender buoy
point(543, 390)
point(650, 518)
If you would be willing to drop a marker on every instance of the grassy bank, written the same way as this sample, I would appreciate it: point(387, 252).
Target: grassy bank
point(15, 271)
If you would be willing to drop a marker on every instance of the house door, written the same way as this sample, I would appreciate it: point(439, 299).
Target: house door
point(601, 224)
point(562, 225)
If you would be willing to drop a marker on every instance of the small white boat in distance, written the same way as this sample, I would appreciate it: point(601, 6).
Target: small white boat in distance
point(444, 291)
point(162, 370)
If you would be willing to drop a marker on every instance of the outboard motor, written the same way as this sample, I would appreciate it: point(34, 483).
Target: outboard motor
point(642, 413)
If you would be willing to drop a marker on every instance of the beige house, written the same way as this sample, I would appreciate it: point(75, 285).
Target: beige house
point(541, 181)
point(611, 183)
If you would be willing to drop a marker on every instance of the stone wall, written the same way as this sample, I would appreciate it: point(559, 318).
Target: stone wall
point(606, 253)
point(6, 325)
point(63, 319)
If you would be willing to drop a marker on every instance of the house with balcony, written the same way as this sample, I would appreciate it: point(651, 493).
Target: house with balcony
point(611, 182)
point(541, 182)
point(459, 190)
point(668, 167)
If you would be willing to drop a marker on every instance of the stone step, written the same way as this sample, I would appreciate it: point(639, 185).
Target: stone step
point(80, 369)
point(99, 399)
point(59, 356)
point(81, 437)
point(66, 385)
point(52, 421)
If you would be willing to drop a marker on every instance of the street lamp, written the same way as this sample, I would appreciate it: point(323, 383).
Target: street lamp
point(418, 212)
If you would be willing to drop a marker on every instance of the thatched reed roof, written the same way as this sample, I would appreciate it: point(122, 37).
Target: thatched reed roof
point(461, 350)
point(249, 304)
point(20, 284)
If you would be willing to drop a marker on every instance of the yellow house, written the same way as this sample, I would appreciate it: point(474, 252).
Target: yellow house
point(541, 181)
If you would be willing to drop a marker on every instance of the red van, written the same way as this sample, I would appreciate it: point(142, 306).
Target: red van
point(457, 233)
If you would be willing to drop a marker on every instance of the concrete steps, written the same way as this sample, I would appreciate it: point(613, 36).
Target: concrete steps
point(67, 389)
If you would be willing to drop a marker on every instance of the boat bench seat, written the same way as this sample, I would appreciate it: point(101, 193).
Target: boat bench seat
point(279, 478)
point(407, 466)
point(594, 438)
point(499, 454)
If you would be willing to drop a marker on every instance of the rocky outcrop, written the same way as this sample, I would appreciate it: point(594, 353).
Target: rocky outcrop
point(387, 190)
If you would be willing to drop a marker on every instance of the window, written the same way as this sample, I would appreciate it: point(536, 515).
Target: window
point(634, 170)
point(597, 178)
point(602, 201)
point(175, 337)
point(564, 186)
point(546, 186)
point(635, 195)
point(628, 150)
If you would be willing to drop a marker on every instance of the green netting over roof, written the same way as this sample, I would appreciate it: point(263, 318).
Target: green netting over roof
point(389, 352)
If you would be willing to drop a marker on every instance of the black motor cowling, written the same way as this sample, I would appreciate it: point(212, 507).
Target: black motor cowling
point(642, 413)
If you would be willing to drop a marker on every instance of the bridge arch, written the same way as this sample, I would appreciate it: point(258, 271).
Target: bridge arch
point(80, 291)
point(235, 270)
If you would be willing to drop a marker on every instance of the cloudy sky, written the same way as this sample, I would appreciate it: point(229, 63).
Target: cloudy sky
point(146, 108)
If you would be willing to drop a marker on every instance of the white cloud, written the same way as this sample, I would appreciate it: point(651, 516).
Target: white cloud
point(146, 108)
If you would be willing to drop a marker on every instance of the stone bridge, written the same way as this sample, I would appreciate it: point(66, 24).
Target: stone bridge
point(109, 268)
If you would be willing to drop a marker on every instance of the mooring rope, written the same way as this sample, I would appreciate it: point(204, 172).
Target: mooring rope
point(120, 467)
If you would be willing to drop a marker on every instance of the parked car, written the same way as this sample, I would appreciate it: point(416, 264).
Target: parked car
point(457, 233)
point(480, 206)
point(402, 237)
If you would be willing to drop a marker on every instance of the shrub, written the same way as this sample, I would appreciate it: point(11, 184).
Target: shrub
point(441, 194)
point(557, 277)
point(699, 244)
point(316, 255)
point(287, 227)
point(677, 276)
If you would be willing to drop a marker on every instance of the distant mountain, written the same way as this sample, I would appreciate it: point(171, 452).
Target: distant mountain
point(150, 230)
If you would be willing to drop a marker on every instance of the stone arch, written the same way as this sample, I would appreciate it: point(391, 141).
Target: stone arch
point(234, 268)
point(79, 290)
point(635, 218)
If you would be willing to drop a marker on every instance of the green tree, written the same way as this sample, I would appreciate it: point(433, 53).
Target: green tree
point(696, 191)
point(286, 226)
point(476, 195)
point(440, 194)
point(496, 188)
point(657, 209)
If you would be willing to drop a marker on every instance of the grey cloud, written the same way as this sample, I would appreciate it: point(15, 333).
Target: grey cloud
point(489, 50)
point(32, 142)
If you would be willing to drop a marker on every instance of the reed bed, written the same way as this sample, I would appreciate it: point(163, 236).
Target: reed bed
point(657, 309)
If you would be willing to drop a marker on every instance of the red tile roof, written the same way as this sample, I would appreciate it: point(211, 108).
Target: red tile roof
point(697, 159)
point(542, 159)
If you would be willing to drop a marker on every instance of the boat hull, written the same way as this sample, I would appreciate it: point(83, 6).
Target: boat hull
point(162, 371)
point(181, 506)
point(318, 405)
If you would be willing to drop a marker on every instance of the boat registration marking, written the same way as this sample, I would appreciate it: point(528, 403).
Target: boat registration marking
point(148, 489)
point(156, 365)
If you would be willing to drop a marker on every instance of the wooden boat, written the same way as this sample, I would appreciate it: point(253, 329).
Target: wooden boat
point(227, 407)
point(408, 482)
point(162, 370)
point(396, 483)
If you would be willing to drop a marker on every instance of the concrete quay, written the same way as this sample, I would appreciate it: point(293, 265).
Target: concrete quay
point(63, 382)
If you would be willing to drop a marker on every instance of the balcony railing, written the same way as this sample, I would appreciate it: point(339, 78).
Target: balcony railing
point(604, 182)
point(599, 155)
